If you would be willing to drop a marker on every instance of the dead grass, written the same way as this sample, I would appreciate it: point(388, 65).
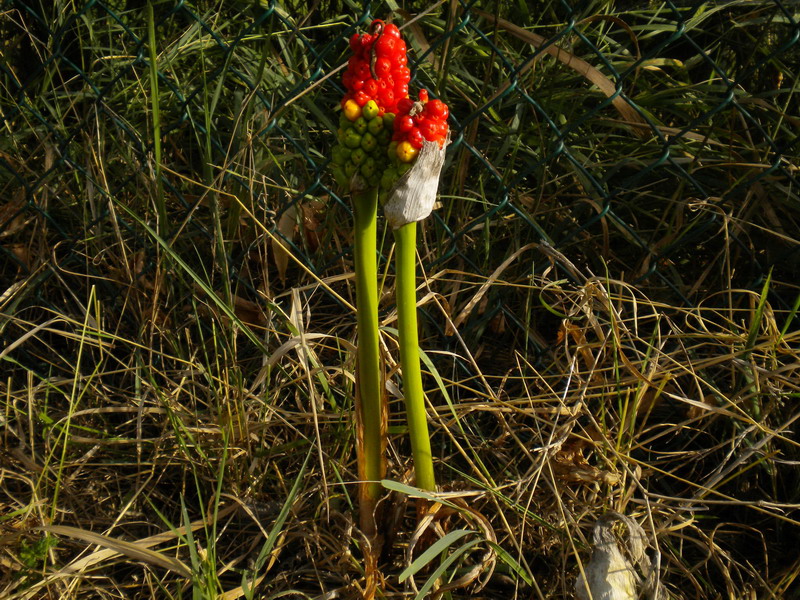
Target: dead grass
point(604, 329)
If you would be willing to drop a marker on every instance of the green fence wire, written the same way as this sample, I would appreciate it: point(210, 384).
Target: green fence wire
point(641, 140)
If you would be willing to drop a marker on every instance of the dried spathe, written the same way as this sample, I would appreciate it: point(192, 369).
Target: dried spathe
point(413, 196)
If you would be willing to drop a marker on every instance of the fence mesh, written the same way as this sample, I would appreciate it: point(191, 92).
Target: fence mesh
point(646, 143)
point(169, 228)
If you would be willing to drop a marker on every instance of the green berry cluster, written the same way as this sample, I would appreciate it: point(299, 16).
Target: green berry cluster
point(394, 170)
point(363, 137)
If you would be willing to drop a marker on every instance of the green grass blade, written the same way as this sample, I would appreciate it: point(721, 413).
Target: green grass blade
point(426, 557)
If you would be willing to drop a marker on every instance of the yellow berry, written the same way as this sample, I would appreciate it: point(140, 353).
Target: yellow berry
point(352, 110)
point(406, 152)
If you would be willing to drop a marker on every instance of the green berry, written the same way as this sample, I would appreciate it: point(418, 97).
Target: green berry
point(352, 139)
point(350, 170)
point(388, 121)
point(337, 156)
point(358, 156)
point(375, 126)
point(370, 110)
point(360, 125)
point(403, 169)
point(368, 168)
point(388, 178)
point(368, 142)
point(340, 176)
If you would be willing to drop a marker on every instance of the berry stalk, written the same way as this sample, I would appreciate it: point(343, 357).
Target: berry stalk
point(377, 75)
point(406, 293)
point(370, 403)
point(416, 154)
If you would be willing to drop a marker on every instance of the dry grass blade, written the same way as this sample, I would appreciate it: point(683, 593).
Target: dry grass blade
point(109, 552)
point(580, 66)
point(492, 279)
point(134, 550)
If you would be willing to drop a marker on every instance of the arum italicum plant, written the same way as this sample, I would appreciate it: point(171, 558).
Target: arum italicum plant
point(390, 143)
point(377, 76)
point(417, 155)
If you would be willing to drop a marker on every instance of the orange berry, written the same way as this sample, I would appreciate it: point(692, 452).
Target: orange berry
point(352, 110)
point(406, 152)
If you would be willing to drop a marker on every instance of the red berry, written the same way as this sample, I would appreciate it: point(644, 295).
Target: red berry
point(357, 84)
point(387, 98)
point(386, 46)
point(416, 138)
point(355, 42)
point(404, 105)
point(436, 109)
point(371, 88)
point(391, 30)
point(423, 95)
point(362, 70)
point(430, 130)
point(383, 66)
point(404, 123)
point(361, 98)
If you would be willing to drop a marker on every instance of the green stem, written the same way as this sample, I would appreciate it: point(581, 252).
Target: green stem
point(369, 374)
point(406, 267)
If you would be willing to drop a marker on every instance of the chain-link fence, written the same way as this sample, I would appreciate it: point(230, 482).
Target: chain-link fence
point(176, 268)
point(651, 141)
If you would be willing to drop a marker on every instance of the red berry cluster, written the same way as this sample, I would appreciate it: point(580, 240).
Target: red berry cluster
point(418, 121)
point(378, 69)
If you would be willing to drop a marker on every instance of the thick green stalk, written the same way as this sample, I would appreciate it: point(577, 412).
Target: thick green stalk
point(406, 294)
point(369, 374)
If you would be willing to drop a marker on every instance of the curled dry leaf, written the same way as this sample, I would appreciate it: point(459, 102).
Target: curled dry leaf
point(610, 574)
